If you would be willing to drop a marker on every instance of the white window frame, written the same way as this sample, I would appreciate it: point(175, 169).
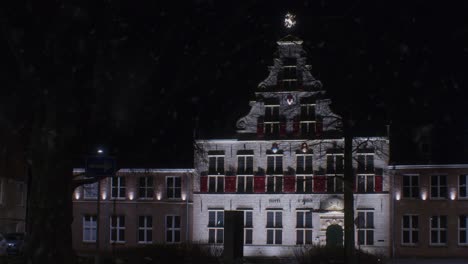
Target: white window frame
point(217, 169)
point(304, 162)
point(276, 228)
point(121, 188)
point(277, 163)
point(410, 229)
point(90, 191)
point(308, 125)
point(463, 218)
point(366, 164)
point(306, 180)
point(174, 187)
point(439, 187)
point(305, 228)
point(338, 181)
point(173, 229)
point(278, 183)
point(218, 227)
point(245, 177)
point(310, 107)
point(147, 227)
point(89, 228)
point(366, 179)
point(366, 228)
point(335, 156)
point(147, 188)
point(463, 186)
point(117, 227)
point(245, 163)
point(439, 229)
point(217, 188)
point(410, 186)
point(247, 228)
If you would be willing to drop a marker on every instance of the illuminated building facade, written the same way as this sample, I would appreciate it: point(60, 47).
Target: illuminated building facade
point(136, 207)
point(284, 170)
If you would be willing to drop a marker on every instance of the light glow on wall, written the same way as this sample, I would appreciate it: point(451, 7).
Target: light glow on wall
point(453, 194)
point(184, 196)
point(131, 195)
point(158, 196)
point(77, 195)
point(103, 195)
point(424, 195)
point(397, 195)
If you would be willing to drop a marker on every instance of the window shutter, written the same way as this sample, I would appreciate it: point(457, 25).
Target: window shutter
point(320, 184)
point(289, 183)
point(378, 183)
point(230, 184)
point(260, 132)
point(259, 184)
point(296, 125)
point(203, 183)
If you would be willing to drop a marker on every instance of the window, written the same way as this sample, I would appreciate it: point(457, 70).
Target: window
point(216, 164)
point(274, 184)
point(335, 164)
point(462, 230)
point(438, 186)
point(118, 187)
point(304, 184)
point(335, 183)
point(410, 230)
point(274, 227)
point(244, 164)
point(303, 163)
point(215, 226)
point(89, 228)
point(307, 128)
point(90, 191)
point(172, 228)
point(272, 112)
point(145, 229)
point(145, 187)
point(303, 227)
point(307, 111)
point(274, 164)
point(216, 183)
point(438, 230)
point(410, 186)
point(117, 229)
point(365, 228)
point(365, 183)
point(463, 186)
point(244, 184)
point(173, 187)
point(248, 227)
point(289, 72)
point(365, 163)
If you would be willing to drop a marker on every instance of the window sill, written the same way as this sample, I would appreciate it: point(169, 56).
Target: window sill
point(438, 245)
point(88, 242)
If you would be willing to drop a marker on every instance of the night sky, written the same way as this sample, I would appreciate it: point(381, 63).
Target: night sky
point(165, 71)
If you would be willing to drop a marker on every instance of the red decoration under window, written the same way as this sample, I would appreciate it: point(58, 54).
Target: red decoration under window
point(320, 184)
point(203, 183)
point(230, 184)
point(378, 183)
point(289, 184)
point(259, 184)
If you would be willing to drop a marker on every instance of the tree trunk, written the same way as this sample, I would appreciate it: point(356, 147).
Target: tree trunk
point(348, 193)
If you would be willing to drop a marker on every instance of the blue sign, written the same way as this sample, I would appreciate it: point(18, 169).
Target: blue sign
point(100, 166)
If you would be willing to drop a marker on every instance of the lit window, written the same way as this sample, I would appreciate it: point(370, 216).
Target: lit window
point(117, 229)
point(118, 187)
point(439, 230)
point(410, 230)
point(366, 183)
point(145, 229)
point(145, 187)
point(411, 186)
point(215, 226)
point(365, 228)
point(274, 227)
point(303, 227)
point(173, 187)
point(438, 186)
point(89, 228)
point(172, 228)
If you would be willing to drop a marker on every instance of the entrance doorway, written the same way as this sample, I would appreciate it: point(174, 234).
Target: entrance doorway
point(334, 236)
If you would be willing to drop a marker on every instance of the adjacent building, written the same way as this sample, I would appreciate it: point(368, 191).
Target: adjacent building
point(136, 207)
point(284, 169)
point(430, 209)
